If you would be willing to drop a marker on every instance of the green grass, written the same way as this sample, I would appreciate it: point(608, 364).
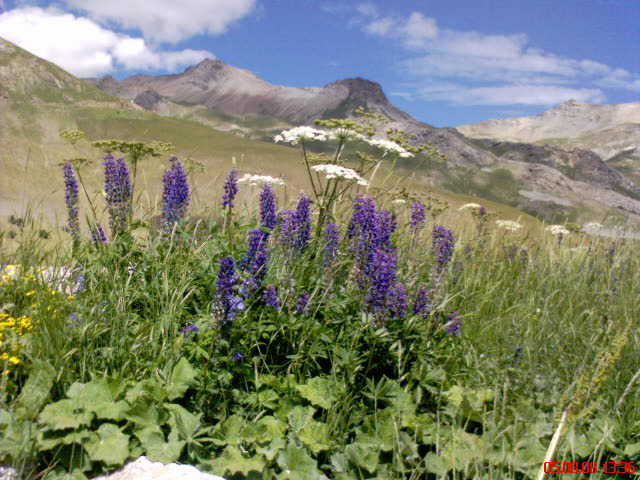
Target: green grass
point(334, 391)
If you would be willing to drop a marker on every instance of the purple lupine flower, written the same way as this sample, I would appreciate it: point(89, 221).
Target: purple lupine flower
point(384, 229)
point(482, 211)
point(175, 198)
point(418, 216)
point(188, 330)
point(255, 260)
point(383, 278)
point(236, 357)
point(71, 200)
point(363, 209)
point(230, 188)
point(398, 301)
point(442, 245)
point(227, 304)
point(302, 306)
point(302, 221)
point(453, 326)
point(268, 207)
point(97, 235)
point(421, 303)
point(270, 297)
point(287, 228)
point(117, 187)
point(333, 242)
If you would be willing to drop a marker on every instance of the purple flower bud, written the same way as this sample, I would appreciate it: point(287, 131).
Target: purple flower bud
point(287, 228)
point(302, 221)
point(421, 303)
point(442, 245)
point(236, 357)
point(255, 261)
point(117, 187)
point(333, 242)
point(71, 200)
point(398, 302)
point(230, 188)
point(418, 216)
point(188, 329)
point(453, 326)
point(383, 278)
point(303, 304)
point(227, 303)
point(98, 236)
point(175, 198)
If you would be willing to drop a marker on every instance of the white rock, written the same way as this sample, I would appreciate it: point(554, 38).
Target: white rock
point(8, 473)
point(144, 469)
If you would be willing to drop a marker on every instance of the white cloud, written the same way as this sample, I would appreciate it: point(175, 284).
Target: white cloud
point(525, 74)
point(167, 20)
point(545, 95)
point(84, 48)
point(367, 9)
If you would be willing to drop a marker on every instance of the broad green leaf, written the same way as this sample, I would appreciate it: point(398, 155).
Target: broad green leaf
point(49, 440)
point(61, 474)
point(229, 431)
point(363, 455)
point(299, 417)
point(315, 436)
point(296, 464)
point(16, 439)
point(319, 391)
point(184, 421)
point(232, 462)
point(87, 395)
point(64, 414)
point(5, 417)
point(160, 451)
point(264, 398)
point(183, 376)
point(112, 410)
point(143, 433)
point(271, 450)
point(340, 462)
point(632, 449)
point(263, 431)
point(143, 413)
point(36, 390)
point(111, 446)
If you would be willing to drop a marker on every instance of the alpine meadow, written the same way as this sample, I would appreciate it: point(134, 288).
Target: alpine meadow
point(205, 275)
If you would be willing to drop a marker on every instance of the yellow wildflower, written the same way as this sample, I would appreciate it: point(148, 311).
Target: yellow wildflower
point(28, 294)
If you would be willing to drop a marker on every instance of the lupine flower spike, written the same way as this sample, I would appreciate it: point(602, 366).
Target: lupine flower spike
point(71, 200)
point(175, 198)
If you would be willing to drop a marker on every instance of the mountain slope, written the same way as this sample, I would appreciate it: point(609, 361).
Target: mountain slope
point(605, 129)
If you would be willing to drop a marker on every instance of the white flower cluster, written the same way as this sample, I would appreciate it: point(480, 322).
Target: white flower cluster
point(557, 230)
point(470, 205)
point(254, 180)
point(296, 134)
point(337, 171)
point(398, 201)
point(592, 226)
point(389, 147)
point(509, 225)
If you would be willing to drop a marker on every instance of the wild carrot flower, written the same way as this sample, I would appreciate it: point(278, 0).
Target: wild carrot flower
point(453, 326)
point(230, 188)
point(117, 187)
point(442, 245)
point(270, 297)
point(333, 242)
point(268, 207)
point(302, 306)
point(421, 303)
point(71, 199)
point(418, 216)
point(302, 221)
point(175, 198)
point(227, 303)
point(398, 301)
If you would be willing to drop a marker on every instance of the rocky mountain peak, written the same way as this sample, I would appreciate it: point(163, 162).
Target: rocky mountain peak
point(363, 89)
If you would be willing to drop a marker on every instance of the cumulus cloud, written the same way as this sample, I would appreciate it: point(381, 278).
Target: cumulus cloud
point(495, 69)
point(83, 47)
point(167, 20)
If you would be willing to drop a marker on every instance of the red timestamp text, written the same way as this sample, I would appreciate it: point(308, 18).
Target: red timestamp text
point(589, 467)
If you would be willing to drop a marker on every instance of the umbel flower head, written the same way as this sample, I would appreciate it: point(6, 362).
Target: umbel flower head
point(509, 225)
point(340, 172)
point(254, 180)
point(117, 187)
point(297, 134)
point(175, 198)
point(230, 188)
point(71, 200)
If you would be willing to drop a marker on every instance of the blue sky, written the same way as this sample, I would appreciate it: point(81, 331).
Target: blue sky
point(445, 63)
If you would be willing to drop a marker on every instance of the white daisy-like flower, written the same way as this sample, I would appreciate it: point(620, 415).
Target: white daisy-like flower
point(470, 205)
point(509, 225)
point(389, 147)
point(557, 230)
point(398, 201)
point(254, 180)
point(294, 135)
point(338, 171)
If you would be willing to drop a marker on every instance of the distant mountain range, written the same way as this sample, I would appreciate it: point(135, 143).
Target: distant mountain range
point(550, 179)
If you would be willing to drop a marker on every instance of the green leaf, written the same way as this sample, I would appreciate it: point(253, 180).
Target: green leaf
point(296, 464)
point(49, 440)
point(184, 421)
point(143, 413)
point(228, 432)
point(160, 451)
point(364, 455)
point(112, 410)
point(264, 431)
point(632, 449)
point(299, 417)
point(319, 391)
point(315, 436)
point(64, 414)
point(233, 462)
point(36, 390)
point(182, 377)
point(87, 395)
point(62, 474)
point(271, 450)
point(111, 446)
